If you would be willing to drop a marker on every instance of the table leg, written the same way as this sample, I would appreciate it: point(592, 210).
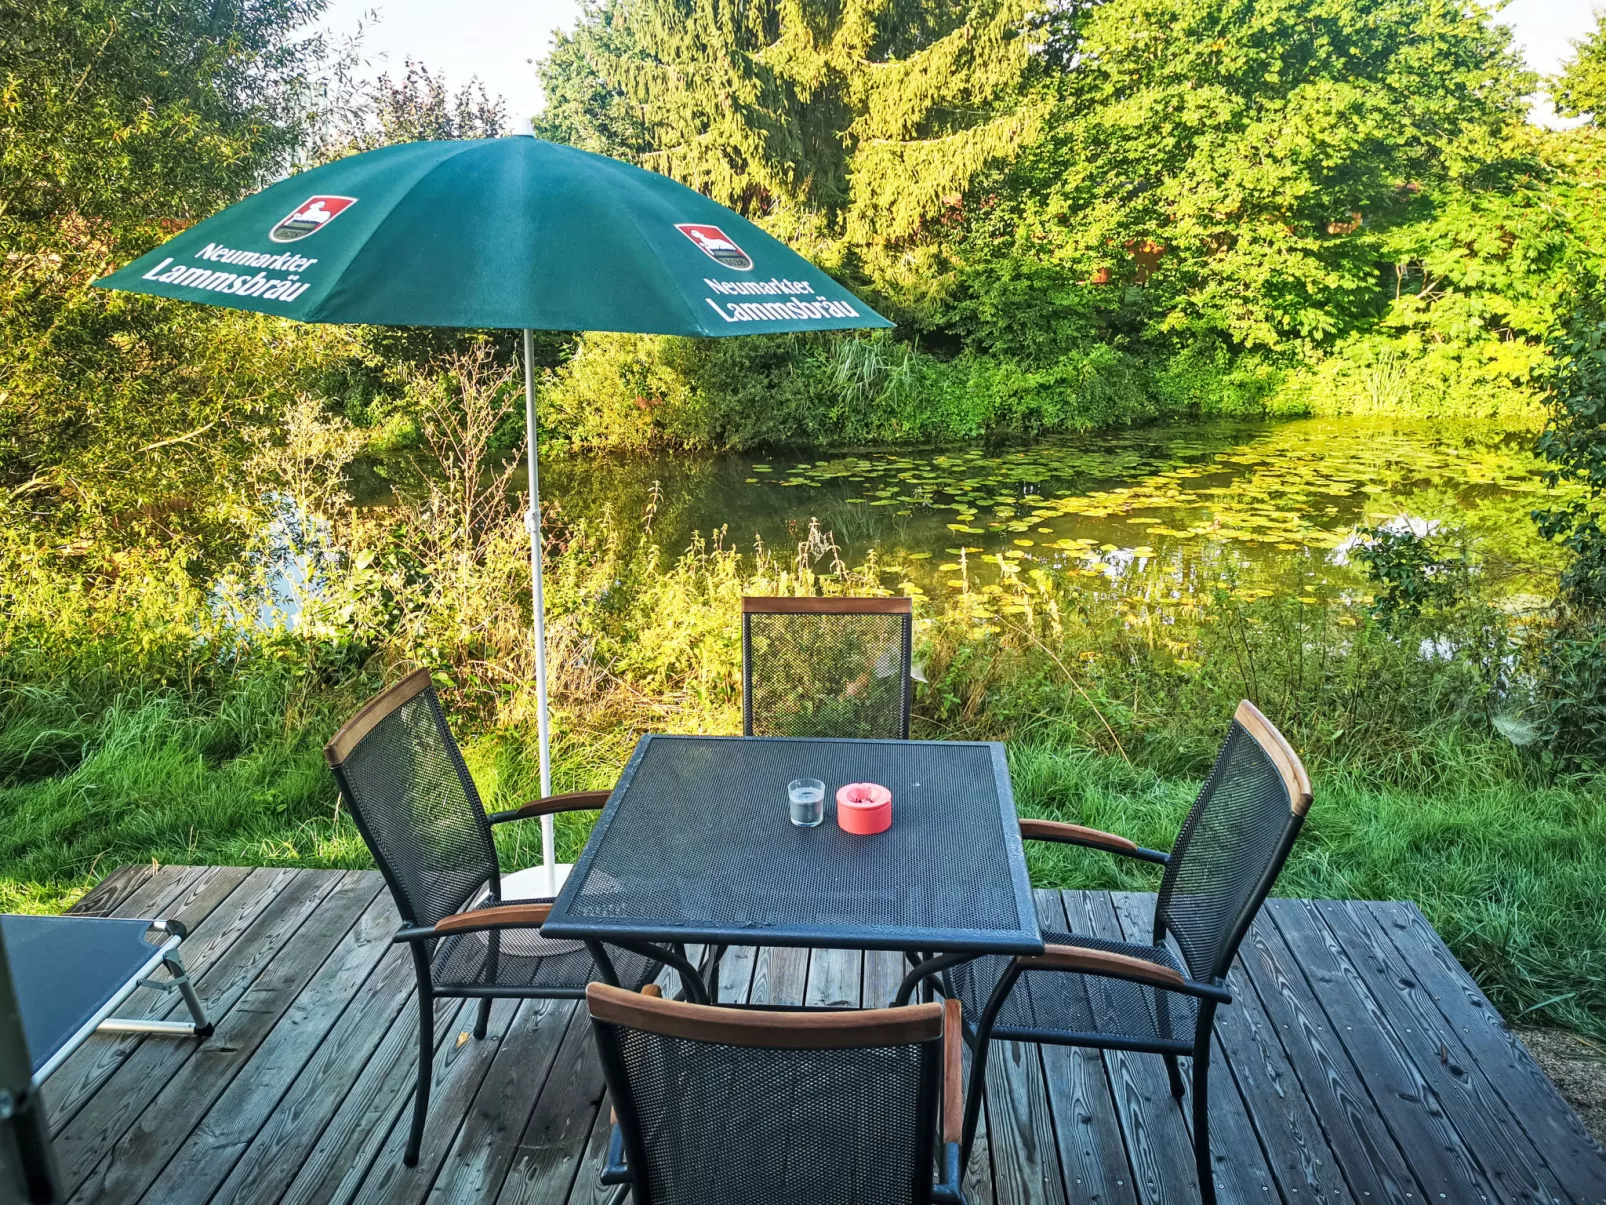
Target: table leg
point(713, 954)
point(923, 970)
point(599, 955)
point(691, 981)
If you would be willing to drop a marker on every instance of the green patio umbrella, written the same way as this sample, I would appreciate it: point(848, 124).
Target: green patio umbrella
point(511, 233)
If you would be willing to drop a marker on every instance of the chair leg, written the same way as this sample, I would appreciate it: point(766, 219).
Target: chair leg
point(426, 1061)
point(483, 1020)
point(1202, 1123)
point(973, 1098)
point(1174, 1073)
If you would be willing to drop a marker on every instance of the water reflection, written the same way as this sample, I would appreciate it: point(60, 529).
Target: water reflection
point(1161, 515)
point(1260, 508)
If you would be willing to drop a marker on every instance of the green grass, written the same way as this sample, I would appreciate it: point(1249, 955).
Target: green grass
point(1507, 870)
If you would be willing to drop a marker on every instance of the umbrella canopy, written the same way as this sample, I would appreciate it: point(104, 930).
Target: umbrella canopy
point(511, 233)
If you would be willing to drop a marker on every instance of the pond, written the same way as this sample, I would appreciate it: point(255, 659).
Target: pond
point(1181, 509)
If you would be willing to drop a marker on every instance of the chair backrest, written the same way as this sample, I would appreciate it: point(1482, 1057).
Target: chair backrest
point(816, 1108)
point(414, 802)
point(826, 667)
point(1233, 844)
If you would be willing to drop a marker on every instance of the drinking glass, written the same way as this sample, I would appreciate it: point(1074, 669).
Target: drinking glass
point(806, 797)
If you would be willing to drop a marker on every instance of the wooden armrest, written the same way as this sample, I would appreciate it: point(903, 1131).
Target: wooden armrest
point(1090, 838)
point(573, 801)
point(1055, 830)
point(507, 916)
point(953, 1072)
point(1103, 962)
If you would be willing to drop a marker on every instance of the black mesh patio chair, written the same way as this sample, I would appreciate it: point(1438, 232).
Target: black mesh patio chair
point(416, 806)
point(826, 667)
point(1098, 992)
point(728, 1106)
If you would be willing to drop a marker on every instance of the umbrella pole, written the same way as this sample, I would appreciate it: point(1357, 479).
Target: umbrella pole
point(532, 521)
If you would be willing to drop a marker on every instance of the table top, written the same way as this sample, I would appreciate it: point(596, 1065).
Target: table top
point(695, 845)
point(66, 968)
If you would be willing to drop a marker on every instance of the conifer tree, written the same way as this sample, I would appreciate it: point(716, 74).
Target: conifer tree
point(872, 114)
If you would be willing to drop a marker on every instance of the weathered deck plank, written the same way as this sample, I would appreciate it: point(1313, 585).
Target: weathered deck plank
point(1496, 1052)
point(493, 1132)
point(1439, 1154)
point(461, 1065)
point(551, 1150)
point(302, 1118)
point(1159, 1150)
point(93, 1063)
point(230, 1123)
point(263, 923)
point(195, 1076)
point(1358, 1065)
point(1248, 1058)
point(1367, 1153)
point(1093, 1156)
point(351, 1141)
point(1507, 1154)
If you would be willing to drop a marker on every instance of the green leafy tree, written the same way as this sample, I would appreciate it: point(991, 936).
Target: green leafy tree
point(1241, 160)
point(120, 123)
point(1573, 663)
point(1580, 89)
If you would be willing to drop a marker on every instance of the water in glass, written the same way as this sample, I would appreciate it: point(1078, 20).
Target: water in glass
point(807, 799)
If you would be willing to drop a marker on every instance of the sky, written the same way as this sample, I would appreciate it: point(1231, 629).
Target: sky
point(497, 39)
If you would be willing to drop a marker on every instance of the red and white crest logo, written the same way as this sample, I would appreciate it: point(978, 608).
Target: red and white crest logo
point(717, 245)
point(309, 217)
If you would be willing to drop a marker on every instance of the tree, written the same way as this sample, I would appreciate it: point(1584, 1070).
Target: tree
point(1240, 159)
point(1573, 662)
point(120, 123)
point(1580, 89)
point(872, 115)
point(416, 107)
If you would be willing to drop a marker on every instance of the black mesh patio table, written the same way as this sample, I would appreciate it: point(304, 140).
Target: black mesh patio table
point(695, 846)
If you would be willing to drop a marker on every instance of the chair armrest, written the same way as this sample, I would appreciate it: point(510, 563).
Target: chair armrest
point(574, 801)
point(506, 916)
point(1090, 838)
point(947, 1190)
point(1119, 966)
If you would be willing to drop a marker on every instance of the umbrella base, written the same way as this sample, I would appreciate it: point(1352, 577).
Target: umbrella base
point(531, 883)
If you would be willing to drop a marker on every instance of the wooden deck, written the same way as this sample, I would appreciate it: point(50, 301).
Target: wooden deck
point(1358, 1064)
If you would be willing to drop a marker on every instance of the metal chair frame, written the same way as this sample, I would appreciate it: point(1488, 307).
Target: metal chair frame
point(827, 606)
point(1211, 992)
point(421, 938)
point(936, 1029)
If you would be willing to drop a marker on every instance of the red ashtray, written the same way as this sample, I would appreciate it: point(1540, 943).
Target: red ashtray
point(864, 808)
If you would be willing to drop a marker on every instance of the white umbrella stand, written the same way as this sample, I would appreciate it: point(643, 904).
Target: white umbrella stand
point(548, 878)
